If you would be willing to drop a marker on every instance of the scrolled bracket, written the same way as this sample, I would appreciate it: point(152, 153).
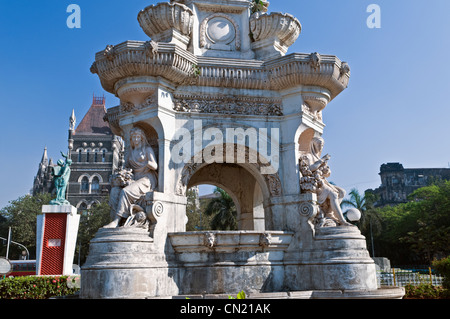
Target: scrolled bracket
point(155, 212)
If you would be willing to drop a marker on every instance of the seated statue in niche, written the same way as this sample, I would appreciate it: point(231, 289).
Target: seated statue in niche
point(314, 173)
point(130, 185)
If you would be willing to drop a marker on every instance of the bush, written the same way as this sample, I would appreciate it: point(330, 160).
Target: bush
point(443, 267)
point(424, 291)
point(33, 287)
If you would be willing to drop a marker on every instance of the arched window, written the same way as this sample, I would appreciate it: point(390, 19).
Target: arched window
point(87, 156)
point(95, 157)
point(103, 155)
point(79, 155)
point(95, 186)
point(84, 185)
point(82, 208)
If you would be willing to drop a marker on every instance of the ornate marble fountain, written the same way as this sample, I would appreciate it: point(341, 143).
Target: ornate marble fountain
point(212, 98)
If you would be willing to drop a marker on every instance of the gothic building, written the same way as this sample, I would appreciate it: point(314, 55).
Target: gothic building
point(398, 182)
point(43, 179)
point(95, 155)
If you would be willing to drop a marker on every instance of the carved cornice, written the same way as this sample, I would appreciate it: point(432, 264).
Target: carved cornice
point(169, 61)
point(133, 58)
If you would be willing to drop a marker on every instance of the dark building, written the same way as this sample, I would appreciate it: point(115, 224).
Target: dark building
point(398, 182)
point(43, 182)
point(96, 154)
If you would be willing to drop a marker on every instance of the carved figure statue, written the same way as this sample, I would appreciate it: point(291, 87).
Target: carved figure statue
point(138, 178)
point(61, 174)
point(315, 171)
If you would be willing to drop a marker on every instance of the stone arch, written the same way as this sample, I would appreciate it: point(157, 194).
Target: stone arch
point(82, 176)
point(244, 182)
point(100, 179)
point(82, 205)
point(93, 203)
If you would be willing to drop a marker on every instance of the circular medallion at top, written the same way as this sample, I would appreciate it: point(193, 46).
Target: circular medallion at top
point(221, 30)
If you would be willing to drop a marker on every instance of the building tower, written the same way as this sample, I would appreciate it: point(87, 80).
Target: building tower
point(43, 179)
point(95, 155)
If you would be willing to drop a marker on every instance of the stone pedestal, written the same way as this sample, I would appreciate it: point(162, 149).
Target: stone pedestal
point(56, 236)
point(124, 263)
point(227, 262)
point(135, 262)
point(326, 258)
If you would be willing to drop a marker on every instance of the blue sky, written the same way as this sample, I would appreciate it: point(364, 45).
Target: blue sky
point(395, 109)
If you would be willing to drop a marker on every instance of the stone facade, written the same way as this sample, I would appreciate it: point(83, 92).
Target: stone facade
point(397, 182)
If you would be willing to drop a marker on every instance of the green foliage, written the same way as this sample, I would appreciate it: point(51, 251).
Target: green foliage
point(240, 295)
point(195, 71)
point(417, 231)
point(90, 222)
point(223, 211)
point(32, 287)
point(370, 222)
point(443, 267)
point(20, 215)
point(425, 291)
point(257, 6)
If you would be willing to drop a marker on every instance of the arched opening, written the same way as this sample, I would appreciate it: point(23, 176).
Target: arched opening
point(241, 183)
point(82, 207)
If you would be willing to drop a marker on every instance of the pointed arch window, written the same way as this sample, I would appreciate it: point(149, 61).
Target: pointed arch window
point(84, 185)
point(95, 186)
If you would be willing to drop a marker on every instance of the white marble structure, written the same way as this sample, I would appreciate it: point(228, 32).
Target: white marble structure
point(214, 85)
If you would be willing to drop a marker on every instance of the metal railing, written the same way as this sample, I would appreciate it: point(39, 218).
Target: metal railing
point(402, 277)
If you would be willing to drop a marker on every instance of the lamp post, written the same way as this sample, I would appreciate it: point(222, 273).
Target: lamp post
point(9, 241)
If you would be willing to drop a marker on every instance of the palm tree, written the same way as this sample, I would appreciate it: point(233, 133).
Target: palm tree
point(224, 211)
point(370, 221)
point(356, 200)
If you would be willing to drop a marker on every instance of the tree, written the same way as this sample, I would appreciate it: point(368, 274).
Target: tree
point(417, 231)
point(356, 200)
point(195, 207)
point(20, 215)
point(91, 221)
point(430, 207)
point(370, 222)
point(223, 210)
